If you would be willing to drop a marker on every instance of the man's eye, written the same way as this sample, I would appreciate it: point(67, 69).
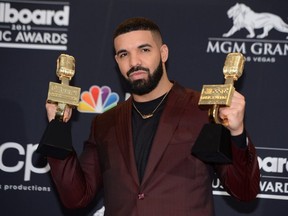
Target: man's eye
point(121, 55)
point(145, 50)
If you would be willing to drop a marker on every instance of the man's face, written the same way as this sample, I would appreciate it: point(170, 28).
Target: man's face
point(139, 57)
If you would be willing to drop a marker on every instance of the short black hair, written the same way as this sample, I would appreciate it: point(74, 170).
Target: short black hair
point(135, 24)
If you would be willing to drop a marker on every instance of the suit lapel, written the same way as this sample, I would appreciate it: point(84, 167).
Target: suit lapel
point(167, 125)
point(124, 138)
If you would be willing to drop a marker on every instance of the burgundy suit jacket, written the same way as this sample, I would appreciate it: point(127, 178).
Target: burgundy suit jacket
point(175, 182)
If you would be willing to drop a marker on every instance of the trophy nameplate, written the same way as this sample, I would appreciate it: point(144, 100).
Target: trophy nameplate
point(63, 94)
point(213, 144)
point(56, 141)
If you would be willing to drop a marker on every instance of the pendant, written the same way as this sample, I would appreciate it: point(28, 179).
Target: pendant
point(147, 116)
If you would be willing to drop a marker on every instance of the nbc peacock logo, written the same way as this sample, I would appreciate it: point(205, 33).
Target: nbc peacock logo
point(97, 100)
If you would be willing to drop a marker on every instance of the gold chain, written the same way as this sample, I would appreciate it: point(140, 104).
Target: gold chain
point(149, 115)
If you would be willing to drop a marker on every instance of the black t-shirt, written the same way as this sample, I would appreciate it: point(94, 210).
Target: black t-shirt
point(144, 130)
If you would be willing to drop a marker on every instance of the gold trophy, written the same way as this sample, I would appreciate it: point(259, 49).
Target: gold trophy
point(56, 141)
point(213, 144)
point(63, 94)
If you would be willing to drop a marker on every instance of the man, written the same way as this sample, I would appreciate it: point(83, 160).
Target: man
point(140, 151)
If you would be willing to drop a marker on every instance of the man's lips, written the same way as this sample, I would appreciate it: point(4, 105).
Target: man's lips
point(138, 74)
point(137, 69)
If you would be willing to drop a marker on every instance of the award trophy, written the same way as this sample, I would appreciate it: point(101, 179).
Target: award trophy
point(213, 144)
point(56, 141)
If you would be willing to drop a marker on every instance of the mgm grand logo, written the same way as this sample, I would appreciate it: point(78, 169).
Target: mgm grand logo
point(256, 47)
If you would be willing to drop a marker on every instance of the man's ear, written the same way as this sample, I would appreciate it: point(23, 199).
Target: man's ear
point(116, 58)
point(164, 52)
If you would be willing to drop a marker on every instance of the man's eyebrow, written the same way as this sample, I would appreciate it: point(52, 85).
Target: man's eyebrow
point(139, 47)
point(120, 51)
point(144, 45)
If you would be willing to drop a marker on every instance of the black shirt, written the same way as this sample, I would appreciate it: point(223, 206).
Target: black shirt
point(144, 130)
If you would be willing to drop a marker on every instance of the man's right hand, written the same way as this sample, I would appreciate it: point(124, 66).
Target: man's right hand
point(51, 109)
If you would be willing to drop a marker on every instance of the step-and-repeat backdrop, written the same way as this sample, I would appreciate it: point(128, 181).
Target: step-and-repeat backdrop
point(199, 34)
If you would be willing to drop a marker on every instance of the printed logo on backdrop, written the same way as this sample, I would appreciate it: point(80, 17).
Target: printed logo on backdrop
point(97, 100)
point(34, 24)
point(100, 212)
point(273, 164)
point(257, 47)
point(17, 160)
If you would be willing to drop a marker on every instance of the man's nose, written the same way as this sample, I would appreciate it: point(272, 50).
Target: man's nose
point(135, 60)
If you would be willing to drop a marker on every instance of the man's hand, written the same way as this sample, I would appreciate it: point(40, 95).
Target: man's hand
point(52, 109)
point(233, 116)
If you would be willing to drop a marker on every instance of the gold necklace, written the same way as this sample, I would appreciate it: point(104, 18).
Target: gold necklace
point(149, 115)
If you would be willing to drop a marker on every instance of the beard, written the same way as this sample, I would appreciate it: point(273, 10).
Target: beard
point(144, 86)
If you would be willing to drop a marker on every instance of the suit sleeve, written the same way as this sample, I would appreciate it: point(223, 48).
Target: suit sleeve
point(78, 180)
point(241, 178)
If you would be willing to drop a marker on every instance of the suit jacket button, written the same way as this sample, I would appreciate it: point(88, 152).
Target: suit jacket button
point(141, 196)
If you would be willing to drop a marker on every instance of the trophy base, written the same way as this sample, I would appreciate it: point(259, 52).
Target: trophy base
point(56, 141)
point(213, 144)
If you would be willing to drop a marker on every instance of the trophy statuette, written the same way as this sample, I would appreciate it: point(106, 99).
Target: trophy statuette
point(56, 141)
point(214, 141)
point(63, 94)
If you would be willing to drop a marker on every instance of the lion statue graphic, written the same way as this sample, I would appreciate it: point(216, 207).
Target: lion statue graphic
point(244, 17)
